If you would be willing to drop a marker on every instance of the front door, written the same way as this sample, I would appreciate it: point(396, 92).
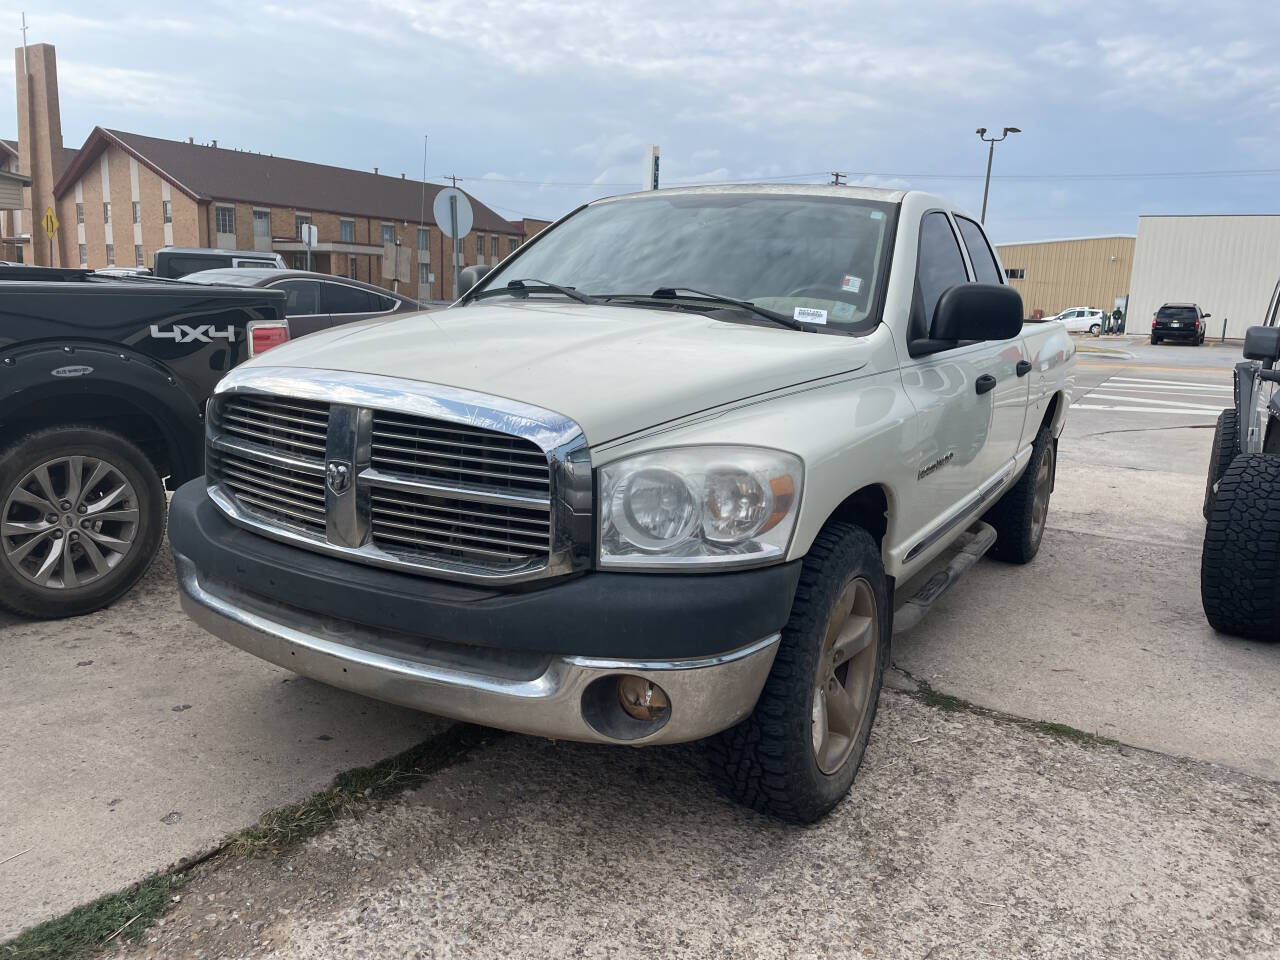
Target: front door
point(303, 308)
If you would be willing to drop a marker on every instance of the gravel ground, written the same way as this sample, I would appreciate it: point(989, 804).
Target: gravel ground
point(965, 837)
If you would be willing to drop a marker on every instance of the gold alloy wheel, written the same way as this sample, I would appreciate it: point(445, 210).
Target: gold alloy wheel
point(845, 674)
point(1040, 496)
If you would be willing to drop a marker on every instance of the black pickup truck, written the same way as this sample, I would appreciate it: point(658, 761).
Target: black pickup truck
point(103, 383)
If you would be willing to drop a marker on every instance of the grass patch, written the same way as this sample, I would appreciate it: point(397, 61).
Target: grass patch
point(86, 929)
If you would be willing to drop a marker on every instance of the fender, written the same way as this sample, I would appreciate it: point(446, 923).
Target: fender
point(37, 375)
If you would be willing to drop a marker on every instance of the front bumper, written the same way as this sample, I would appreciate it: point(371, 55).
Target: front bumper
point(542, 662)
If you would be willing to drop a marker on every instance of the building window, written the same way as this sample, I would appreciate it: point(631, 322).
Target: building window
point(137, 255)
point(479, 248)
point(347, 231)
point(111, 255)
point(225, 219)
point(300, 220)
point(424, 275)
point(80, 213)
point(1015, 273)
point(84, 253)
point(106, 211)
point(137, 212)
point(167, 206)
point(388, 234)
point(512, 243)
point(351, 267)
point(493, 247)
point(424, 238)
point(262, 223)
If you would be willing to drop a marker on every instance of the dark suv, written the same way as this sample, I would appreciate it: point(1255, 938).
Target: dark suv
point(1179, 321)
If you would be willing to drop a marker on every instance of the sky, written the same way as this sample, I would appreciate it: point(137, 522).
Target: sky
point(541, 105)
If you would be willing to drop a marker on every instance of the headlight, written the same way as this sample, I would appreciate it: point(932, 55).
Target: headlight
point(698, 506)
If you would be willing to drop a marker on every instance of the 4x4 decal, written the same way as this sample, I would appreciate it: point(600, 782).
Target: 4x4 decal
point(204, 333)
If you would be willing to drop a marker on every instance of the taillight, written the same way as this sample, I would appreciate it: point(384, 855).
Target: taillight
point(1153, 321)
point(265, 334)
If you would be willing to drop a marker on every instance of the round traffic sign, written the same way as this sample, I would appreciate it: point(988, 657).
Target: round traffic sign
point(444, 220)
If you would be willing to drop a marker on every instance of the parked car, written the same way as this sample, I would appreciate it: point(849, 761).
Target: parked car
point(315, 300)
point(673, 488)
point(1240, 561)
point(1179, 321)
point(103, 383)
point(1082, 320)
point(174, 262)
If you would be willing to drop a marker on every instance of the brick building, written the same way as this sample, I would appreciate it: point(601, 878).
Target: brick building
point(121, 196)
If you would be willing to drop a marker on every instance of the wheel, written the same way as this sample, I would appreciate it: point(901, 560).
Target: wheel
point(1240, 563)
point(1154, 339)
point(1095, 329)
point(1226, 444)
point(796, 755)
point(1019, 516)
point(82, 512)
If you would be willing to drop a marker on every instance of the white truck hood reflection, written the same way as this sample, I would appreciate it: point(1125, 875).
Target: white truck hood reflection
point(614, 370)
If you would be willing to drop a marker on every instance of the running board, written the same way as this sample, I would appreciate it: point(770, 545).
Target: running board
point(973, 543)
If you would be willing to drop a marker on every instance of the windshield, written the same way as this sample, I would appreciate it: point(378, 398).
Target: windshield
point(817, 259)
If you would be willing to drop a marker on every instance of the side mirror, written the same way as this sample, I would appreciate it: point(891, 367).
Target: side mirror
point(470, 276)
point(1205, 316)
point(977, 311)
point(1262, 343)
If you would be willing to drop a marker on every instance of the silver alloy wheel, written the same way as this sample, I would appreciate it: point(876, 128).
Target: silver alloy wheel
point(69, 522)
point(1040, 495)
point(846, 671)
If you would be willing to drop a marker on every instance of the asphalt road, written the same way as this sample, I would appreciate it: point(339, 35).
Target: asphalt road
point(134, 740)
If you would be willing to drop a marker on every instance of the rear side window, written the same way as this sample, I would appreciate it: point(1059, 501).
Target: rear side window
point(940, 265)
point(980, 255)
point(1177, 313)
point(340, 298)
point(180, 266)
point(303, 297)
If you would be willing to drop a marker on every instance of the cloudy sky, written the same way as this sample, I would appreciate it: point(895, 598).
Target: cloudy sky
point(1125, 108)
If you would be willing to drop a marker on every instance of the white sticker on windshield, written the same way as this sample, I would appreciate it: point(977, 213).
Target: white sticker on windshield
point(877, 215)
point(851, 284)
point(810, 315)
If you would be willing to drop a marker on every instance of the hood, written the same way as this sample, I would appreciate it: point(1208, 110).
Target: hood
point(614, 370)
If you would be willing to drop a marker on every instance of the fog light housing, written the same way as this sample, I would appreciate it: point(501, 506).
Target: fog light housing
point(642, 699)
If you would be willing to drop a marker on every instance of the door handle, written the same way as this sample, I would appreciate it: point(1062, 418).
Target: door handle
point(1024, 367)
point(985, 383)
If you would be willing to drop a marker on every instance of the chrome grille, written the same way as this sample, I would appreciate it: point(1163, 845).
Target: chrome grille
point(275, 493)
point(481, 533)
point(290, 426)
point(457, 453)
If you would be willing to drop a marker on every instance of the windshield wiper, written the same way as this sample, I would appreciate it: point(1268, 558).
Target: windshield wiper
point(683, 293)
point(522, 288)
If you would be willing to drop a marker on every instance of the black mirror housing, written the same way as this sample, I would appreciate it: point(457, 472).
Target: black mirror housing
point(1262, 343)
point(1205, 316)
point(977, 311)
point(470, 276)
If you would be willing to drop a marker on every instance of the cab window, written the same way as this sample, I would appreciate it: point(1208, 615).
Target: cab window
point(980, 255)
point(303, 297)
point(939, 267)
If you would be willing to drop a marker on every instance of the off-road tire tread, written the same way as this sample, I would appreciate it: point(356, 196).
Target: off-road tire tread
point(1011, 515)
point(1240, 562)
point(766, 761)
point(11, 601)
point(1224, 449)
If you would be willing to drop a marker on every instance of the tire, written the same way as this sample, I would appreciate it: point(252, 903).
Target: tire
point(1154, 339)
point(75, 564)
point(1225, 447)
point(771, 761)
point(1020, 515)
point(1095, 330)
point(1240, 562)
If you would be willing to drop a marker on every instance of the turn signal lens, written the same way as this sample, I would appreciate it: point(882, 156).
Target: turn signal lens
point(642, 699)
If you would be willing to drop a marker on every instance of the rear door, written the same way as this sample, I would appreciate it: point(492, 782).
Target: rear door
point(304, 306)
point(346, 303)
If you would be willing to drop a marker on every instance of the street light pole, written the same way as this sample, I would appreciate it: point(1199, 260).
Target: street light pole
point(991, 151)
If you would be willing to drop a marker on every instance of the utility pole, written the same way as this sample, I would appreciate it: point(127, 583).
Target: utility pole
point(453, 232)
point(982, 135)
point(837, 178)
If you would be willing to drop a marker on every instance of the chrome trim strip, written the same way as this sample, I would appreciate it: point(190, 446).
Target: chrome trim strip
point(254, 452)
point(969, 508)
point(708, 694)
point(375, 477)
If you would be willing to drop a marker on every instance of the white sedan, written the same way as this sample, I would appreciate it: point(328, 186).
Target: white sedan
point(1082, 320)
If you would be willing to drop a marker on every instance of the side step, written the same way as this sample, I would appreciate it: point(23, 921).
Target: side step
point(973, 543)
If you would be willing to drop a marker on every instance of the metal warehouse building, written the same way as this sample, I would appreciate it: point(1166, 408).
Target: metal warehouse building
point(1053, 275)
point(1227, 264)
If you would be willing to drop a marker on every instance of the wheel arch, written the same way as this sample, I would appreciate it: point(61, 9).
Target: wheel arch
point(869, 507)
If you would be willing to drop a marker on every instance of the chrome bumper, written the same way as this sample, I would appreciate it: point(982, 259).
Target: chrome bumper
point(707, 694)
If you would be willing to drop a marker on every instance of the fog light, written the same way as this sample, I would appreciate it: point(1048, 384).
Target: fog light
point(642, 699)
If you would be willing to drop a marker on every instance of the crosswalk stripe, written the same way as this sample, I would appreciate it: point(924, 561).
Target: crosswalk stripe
point(1174, 383)
point(1133, 387)
point(1152, 402)
point(1168, 410)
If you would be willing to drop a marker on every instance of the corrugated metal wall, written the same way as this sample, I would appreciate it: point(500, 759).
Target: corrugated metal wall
point(1088, 272)
point(1227, 264)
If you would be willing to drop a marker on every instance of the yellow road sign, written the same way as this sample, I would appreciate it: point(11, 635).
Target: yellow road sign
point(50, 222)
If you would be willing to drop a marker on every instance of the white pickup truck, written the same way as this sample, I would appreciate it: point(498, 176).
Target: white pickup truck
point(668, 472)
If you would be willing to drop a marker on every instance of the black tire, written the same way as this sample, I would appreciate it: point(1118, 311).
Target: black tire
point(19, 593)
point(768, 761)
point(1018, 535)
point(1095, 330)
point(1154, 339)
point(1226, 439)
point(1240, 563)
